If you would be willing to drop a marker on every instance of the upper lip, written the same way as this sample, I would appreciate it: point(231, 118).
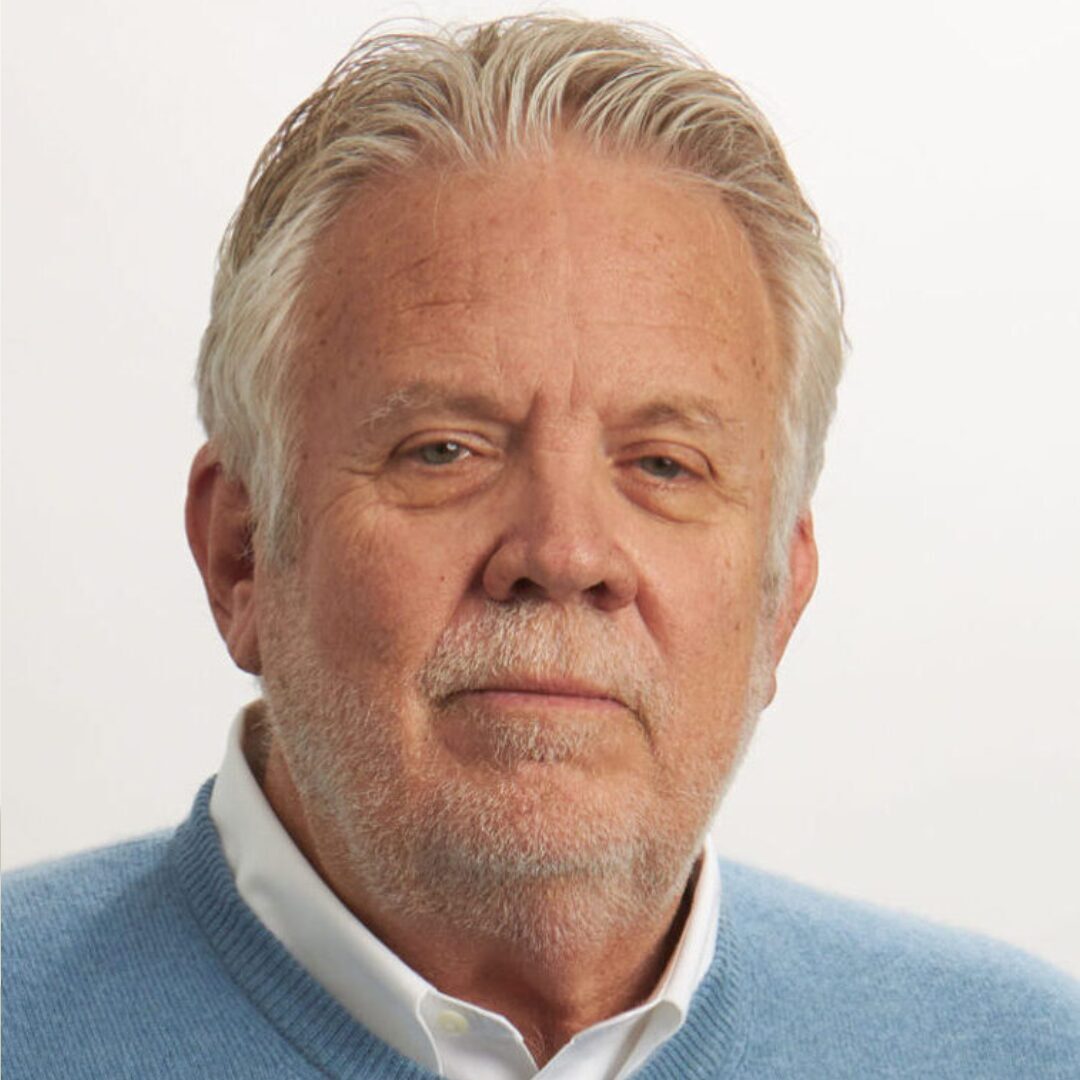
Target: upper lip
point(562, 687)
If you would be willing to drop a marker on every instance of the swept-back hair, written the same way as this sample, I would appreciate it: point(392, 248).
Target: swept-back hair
point(471, 97)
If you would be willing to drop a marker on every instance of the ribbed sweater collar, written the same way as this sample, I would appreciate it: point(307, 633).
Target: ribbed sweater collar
point(334, 1043)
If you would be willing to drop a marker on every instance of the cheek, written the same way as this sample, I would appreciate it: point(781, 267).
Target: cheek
point(715, 672)
point(383, 590)
point(701, 593)
point(709, 628)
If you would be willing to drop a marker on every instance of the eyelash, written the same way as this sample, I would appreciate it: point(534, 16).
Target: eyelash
point(666, 462)
point(418, 452)
point(671, 469)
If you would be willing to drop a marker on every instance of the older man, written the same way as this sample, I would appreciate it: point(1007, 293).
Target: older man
point(522, 353)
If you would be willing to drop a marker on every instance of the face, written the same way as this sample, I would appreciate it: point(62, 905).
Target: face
point(519, 642)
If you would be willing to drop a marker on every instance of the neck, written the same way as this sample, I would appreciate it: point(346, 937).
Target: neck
point(549, 995)
point(561, 964)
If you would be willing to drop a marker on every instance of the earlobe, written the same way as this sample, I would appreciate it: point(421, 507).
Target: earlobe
point(219, 531)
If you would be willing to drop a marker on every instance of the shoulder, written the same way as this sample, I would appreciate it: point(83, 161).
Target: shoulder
point(70, 887)
point(809, 926)
point(53, 910)
point(94, 915)
point(109, 972)
point(848, 972)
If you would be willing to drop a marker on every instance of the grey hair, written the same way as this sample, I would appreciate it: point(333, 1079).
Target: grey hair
point(471, 97)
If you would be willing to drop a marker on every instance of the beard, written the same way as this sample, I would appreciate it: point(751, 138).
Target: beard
point(518, 846)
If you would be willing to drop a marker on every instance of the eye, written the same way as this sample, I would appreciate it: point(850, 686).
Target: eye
point(444, 452)
point(663, 468)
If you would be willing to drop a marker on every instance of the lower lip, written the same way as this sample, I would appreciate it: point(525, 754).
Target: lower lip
point(527, 699)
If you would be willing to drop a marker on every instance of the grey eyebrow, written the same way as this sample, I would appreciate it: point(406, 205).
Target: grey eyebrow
point(691, 412)
point(683, 411)
point(425, 394)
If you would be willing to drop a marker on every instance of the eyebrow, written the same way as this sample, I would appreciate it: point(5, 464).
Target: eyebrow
point(690, 411)
point(681, 410)
point(424, 394)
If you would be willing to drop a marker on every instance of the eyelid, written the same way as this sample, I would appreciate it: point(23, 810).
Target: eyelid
point(472, 443)
point(691, 460)
point(666, 463)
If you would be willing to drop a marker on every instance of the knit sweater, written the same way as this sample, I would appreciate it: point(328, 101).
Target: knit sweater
point(142, 961)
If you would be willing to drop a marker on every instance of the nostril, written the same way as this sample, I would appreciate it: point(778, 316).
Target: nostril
point(533, 563)
point(524, 588)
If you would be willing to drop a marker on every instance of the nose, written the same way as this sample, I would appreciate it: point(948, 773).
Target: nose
point(560, 542)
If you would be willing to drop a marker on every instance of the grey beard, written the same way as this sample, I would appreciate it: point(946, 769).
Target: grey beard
point(453, 857)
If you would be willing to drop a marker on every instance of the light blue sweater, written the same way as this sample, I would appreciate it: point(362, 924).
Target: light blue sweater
point(142, 961)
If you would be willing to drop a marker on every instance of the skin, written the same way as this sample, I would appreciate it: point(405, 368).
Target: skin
point(550, 384)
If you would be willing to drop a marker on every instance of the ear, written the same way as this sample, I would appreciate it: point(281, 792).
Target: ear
point(802, 577)
point(219, 531)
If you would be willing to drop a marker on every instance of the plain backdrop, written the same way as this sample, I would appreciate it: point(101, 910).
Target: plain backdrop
point(923, 751)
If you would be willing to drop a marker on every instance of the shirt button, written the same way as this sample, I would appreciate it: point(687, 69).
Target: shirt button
point(451, 1023)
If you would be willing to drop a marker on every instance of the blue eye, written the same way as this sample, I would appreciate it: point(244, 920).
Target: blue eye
point(663, 468)
point(441, 453)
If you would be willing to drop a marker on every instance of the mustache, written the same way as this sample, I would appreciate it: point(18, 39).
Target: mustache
point(536, 640)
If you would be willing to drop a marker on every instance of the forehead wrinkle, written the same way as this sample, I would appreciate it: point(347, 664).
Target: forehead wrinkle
point(443, 276)
point(437, 303)
point(410, 270)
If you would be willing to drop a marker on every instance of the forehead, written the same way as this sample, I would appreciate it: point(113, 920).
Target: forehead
point(525, 266)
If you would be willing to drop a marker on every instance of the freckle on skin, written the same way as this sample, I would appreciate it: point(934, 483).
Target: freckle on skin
point(721, 373)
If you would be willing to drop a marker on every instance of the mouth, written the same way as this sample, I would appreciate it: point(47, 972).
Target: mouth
point(544, 693)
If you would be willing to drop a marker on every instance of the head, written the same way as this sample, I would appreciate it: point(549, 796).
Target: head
point(482, 95)
point(522, 351)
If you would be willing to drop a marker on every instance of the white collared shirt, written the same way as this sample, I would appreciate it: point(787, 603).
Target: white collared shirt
point(446, 1035)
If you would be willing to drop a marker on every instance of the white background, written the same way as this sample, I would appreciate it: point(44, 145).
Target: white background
point(924, 748)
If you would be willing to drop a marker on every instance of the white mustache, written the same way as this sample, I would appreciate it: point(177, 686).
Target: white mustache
point(540, 641)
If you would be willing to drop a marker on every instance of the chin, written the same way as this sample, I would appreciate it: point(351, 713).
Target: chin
point(541, 866)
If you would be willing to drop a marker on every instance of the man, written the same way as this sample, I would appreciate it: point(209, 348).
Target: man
point(522, 352)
